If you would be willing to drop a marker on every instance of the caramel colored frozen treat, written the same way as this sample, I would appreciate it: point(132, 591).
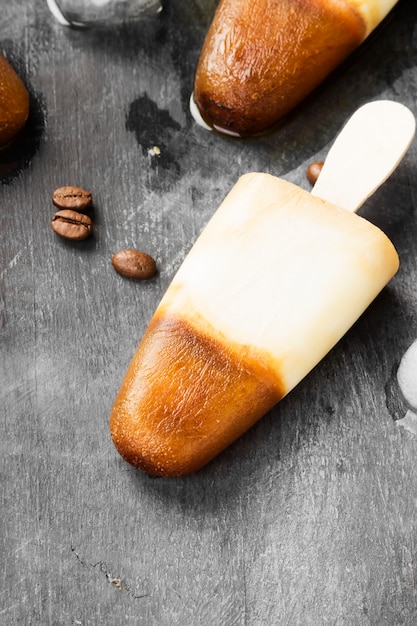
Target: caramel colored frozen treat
point(262, 58)
point(14, 102)
point(276, 278)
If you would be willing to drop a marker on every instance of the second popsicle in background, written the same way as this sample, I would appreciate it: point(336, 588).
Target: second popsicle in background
point(260, 59)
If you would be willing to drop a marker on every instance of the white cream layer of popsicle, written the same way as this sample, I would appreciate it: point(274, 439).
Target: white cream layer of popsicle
point(282, 272)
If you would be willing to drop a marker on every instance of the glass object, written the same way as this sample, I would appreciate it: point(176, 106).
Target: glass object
point(84, 13)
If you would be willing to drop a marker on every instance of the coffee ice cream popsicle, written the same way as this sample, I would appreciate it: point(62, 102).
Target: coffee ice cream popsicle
point(273, 282)
point(260, 59)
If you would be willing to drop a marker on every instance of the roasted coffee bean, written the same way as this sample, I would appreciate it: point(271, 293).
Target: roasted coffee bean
point(313, 171)
point(71, 225)
point(74, 198)
point(134, 264)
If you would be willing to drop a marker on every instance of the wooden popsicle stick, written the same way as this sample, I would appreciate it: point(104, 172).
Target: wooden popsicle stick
point(365, 153)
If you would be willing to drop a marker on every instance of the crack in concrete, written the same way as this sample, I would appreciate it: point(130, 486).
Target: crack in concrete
point(114, 580)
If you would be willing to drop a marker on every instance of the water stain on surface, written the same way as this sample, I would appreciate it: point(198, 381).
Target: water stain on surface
point(157, 134)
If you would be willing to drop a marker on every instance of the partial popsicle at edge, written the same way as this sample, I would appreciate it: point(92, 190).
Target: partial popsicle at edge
point(260, 59)
point(273, 282)
point(14, 103)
